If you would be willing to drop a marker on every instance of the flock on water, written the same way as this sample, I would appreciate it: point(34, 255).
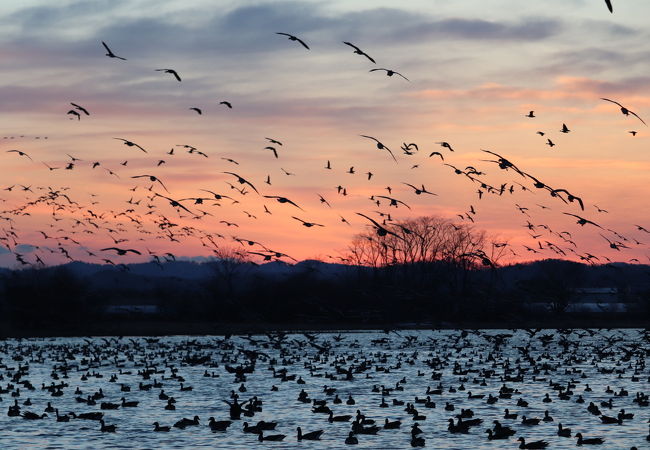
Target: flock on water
point(528, 388)
point(78, 220)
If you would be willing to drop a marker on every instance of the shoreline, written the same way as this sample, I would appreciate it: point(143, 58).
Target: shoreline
point(139, 327)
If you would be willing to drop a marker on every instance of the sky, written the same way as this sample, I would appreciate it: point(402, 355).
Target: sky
point(475, 69)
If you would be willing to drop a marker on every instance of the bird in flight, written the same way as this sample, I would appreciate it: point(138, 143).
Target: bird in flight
point(172, 71)
point(625, 111)
point(20, 153)
point(582, 221)
point(564, 129)
point(228, 104)
point(74, 113)
point(294, 38)
point(198, 110)
point(531, 114)
point(130, 144)
point(283, 200)
point(381, 231)
point(153, 179)
point(307, 224)
point(80, 108)
point(609, 5)
point(121, 251)
point(110, 53)
point(445, 145)
point(390, 73)
point(358, 51)
point(275, 152)
point(380, 146)
point(273, 141)
point(241, 180)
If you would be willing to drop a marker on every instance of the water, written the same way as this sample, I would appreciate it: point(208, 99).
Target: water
point(586, 353)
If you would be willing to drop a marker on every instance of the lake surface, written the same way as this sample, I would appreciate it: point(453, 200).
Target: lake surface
point(479, 361)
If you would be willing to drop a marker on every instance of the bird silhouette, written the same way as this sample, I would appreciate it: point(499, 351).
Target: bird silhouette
point(110, 53)
point(294, 38)
point(625, 111)
point(129, 144)
point(171, 71)
point(358, 51)
point(389, 72)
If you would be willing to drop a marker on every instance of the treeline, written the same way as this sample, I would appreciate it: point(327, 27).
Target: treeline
point(426, 270)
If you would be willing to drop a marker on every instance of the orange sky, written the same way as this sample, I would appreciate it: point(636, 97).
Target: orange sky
point(475, 68)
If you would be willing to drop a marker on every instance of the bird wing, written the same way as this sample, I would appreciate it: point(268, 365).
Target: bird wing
point(352, 45)
point(609, 5)
point(303, 44)
point(637, 116)
point(612, 101)
point(173, 72)
point(369, 137)
point(106, 47)
point(397, 73)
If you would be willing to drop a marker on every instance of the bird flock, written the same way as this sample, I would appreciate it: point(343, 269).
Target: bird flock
point(42, 225)
point(530, 388)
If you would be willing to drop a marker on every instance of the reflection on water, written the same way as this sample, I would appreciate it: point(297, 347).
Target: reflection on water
point(406, 364)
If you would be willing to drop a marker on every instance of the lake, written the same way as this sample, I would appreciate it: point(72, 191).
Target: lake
point(372, 367)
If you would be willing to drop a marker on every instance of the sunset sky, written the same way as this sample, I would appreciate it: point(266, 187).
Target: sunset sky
point(476, 67)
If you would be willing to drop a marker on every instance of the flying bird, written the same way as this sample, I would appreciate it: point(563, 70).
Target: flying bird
point(198, 110)
point(110, 53)
point(380, 146)
point(130, 144)
point(74, 113)
point(172, 71)
point(307, 224)
point(582, 221)
point(273, 141)
point(228, 104)
point(20, 153)
point(390, 73)
point(294, 38)
point(121, 251)
point(531, 114)
point(275, 152)
point(283, 200)
point(153, 179)
point(381, 231)
point(80, 108)
point(625, 111)
point(241, 180)
point(358, 51)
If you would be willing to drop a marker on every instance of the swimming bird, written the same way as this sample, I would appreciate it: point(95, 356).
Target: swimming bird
point(358, 51)
point(625, 111)
point(311, 436)
point(390, 73)
point(294, 38)
point(110, 53)
point(160, 429)
point(589, 441)
point(171, 71)
point(532, 445)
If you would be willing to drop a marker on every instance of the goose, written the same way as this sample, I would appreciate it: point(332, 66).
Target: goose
point(131, 404)
point(563, 432)
point(392, 425)
point(531, 421)
point(184, 422)
point(547, 417)
point(221, 425)
point(492, 435)
point(159, 429)
point(272, 438)
point(351, 439)
point(333, 418)
point(532, 445)
point(311, 436)
point(509, 415)
point(590, 441)
point(107, 428)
